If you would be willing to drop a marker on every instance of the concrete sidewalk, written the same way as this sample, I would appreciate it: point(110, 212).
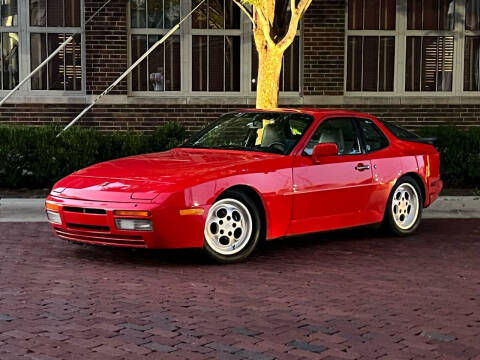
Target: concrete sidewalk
point(446, 207)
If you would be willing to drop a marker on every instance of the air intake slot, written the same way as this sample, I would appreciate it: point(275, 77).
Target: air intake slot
point(84, 210)
point(88, 227)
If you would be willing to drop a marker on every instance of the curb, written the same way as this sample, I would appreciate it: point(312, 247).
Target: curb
point(454, 207)
point(446, 207)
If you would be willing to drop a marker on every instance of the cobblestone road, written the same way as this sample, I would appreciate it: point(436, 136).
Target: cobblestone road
point(343, 295)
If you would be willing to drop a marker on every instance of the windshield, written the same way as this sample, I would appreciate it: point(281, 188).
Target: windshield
point(273, 132)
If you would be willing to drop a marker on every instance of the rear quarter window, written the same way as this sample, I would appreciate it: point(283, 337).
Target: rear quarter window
point(399, 132)
point(373, 137)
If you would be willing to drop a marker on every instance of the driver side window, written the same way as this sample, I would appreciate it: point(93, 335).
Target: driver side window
point(340, 131)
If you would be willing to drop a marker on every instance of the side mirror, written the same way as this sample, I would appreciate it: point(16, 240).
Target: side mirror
point(323, 150)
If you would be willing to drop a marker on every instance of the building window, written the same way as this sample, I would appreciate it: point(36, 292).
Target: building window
point(9, 56)
point(9, 44)
point(206, 55)
point(55, 13)
point(370, 56)
point(430, 45)
point(216, 15)
point(215, 63)
point(472, 16)
point(472, 64)
point(471, 80)
point(431, 14)
point(154, 14)
point(161, 70)
point(216, 44)
point(49, 26)
point(429, 65)
point(370, 63)
point(9, 13)
point(371, 14)
point(429, 59)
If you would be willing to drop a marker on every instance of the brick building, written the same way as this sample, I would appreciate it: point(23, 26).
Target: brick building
point(416, 62)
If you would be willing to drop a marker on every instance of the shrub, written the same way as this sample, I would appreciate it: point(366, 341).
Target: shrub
point(459, 154)
point(34, 157)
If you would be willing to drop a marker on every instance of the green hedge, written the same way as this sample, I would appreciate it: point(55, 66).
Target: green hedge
point(34, 157)
point(459, 154)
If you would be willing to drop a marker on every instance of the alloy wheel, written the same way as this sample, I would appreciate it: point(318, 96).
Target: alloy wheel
point(228, 227)
point(405, 206)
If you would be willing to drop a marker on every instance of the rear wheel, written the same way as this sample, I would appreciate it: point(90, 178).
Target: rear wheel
point(232, 229)
point(404, 208)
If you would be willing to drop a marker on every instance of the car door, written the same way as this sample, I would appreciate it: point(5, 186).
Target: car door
point(333, 193)
point(385, 167)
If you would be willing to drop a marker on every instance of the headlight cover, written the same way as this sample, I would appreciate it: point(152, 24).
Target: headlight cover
point(134, 224)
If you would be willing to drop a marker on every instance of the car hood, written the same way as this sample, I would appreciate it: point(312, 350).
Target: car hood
point(143, 177)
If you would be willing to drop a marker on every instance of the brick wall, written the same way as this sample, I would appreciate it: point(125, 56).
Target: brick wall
point(324, 48)
point(194, 117)
point(106, 46)
point(106, 59)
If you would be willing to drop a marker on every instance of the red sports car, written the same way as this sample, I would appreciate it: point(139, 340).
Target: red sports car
point(253, 175)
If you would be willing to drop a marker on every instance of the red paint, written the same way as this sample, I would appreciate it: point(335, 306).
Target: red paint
point(298, 195)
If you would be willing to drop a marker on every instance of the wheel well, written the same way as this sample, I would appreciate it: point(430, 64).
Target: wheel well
point(247, 190)
point(419, 181)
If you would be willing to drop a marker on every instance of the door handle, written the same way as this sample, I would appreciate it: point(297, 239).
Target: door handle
point(361, 167)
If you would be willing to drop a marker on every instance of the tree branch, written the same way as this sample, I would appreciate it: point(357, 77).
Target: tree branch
point(265, 27)
point(303, 6)
point(292, 5)
point(297, 13)
point(244, 9)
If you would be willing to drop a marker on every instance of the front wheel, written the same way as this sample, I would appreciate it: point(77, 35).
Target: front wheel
point(404, 207)
point(232, 229)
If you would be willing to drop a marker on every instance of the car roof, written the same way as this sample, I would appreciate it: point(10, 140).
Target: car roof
point(317, 112)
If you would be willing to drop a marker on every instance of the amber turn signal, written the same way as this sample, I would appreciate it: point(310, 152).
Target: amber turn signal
point(52, 206)
point(191, 212)
point(131, 213)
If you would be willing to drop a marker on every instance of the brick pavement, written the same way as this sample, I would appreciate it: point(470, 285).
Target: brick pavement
point(343, 295)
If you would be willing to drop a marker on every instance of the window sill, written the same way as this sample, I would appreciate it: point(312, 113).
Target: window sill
point(139, 99)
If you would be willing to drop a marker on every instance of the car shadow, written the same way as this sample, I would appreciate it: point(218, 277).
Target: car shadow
point(195, 257)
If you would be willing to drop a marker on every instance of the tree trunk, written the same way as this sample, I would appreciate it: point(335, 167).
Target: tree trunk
point(268, 79)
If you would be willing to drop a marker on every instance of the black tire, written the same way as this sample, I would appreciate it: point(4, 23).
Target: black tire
point(252, 241)
point(389, 219)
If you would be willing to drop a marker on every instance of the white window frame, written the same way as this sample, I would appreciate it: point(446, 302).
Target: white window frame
point(153, 31)
point(186, 32)
point(24, 29)
point(55, 30)
point(401, 33)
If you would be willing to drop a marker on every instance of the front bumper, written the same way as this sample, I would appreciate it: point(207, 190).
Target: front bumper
point(93, 222)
